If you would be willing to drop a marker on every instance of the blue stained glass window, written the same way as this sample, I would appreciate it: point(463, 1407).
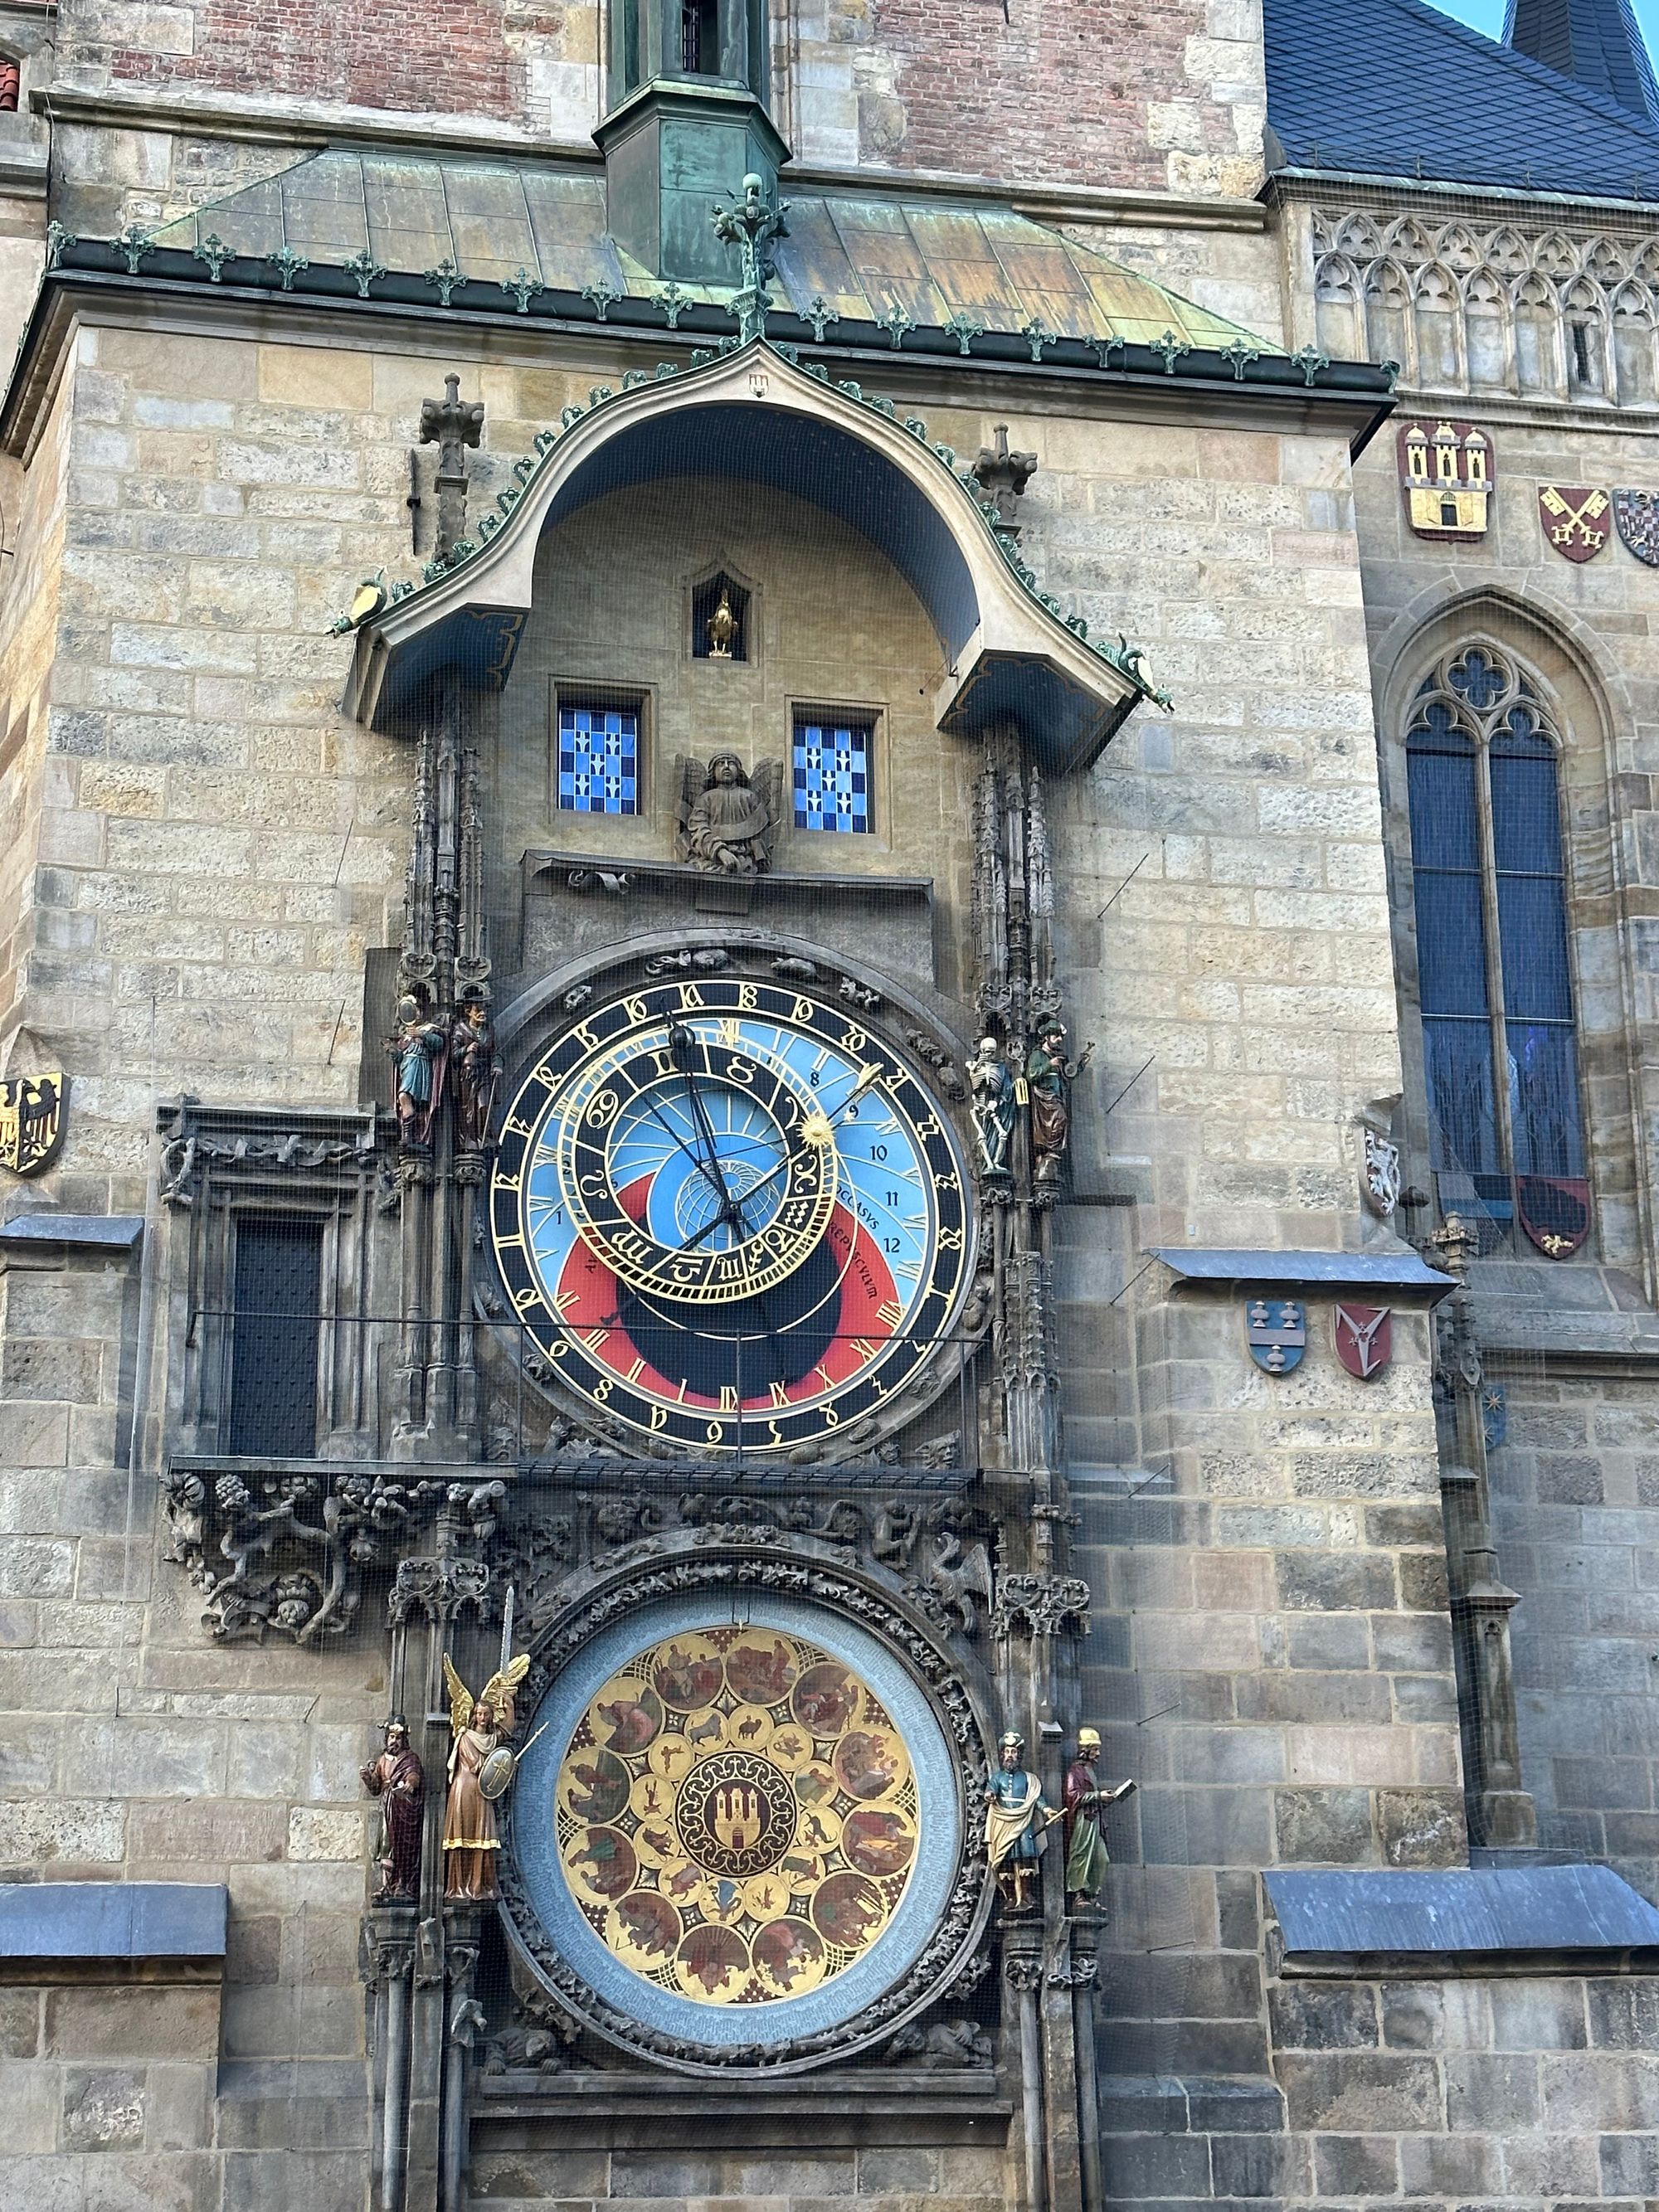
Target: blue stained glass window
point(1549, 1139)
point(832, 776)
point(1478, 750)
point(1463, 1113)
point(598, 770)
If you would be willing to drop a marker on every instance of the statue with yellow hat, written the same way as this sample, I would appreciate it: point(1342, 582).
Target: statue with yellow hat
point(1086, 1857)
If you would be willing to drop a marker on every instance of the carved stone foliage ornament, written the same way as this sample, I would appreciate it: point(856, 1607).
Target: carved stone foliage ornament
point(33, 1114)
point(1041, 1605)
point(741, 1839)
point(293, 1554)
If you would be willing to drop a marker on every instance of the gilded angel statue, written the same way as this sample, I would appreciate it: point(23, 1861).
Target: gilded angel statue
point(481, 1767)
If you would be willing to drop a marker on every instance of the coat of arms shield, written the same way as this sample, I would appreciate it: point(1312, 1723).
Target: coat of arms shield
point(1364, 1340)
point(1637, 514)
point(1575, 519)
point(1448, 471)
point(1277, 1330)
point(31, 1120)
point(1381, 1175)
point(1555, 1212)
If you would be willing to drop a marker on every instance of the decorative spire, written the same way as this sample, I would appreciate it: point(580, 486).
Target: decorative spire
point(752, 225)
point(1596, 42)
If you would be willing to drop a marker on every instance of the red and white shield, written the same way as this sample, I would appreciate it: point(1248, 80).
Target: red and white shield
point(1364, 1340)
point(1575, 519)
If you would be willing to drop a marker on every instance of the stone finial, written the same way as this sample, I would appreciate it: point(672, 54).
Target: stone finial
point(451, 424)
point(1005, 475)
point(1455, 1245)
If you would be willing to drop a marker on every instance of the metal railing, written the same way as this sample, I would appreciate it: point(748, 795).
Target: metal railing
point(373, 1378)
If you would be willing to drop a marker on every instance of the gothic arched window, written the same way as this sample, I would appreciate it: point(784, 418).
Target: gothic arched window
point(1500, 1051)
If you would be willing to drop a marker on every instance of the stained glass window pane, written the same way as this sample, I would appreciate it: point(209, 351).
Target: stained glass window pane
point(1526, 819)
point(599, 768)
point(1443, 834)
point(1533, 929)
point(1451, 957)
point(1544, 1099)
point(832, 776)
point(1463, 1110)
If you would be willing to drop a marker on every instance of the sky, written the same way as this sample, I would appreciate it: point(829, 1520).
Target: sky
point(1487, 15)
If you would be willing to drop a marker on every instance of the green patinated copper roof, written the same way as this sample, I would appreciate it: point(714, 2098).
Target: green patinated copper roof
point(863, 258)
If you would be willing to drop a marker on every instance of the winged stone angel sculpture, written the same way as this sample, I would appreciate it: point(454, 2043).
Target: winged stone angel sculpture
point(728, 818)
point(481, 1769)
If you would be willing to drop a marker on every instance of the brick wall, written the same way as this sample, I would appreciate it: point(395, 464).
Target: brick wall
point(1161, 95)
point(509, 62)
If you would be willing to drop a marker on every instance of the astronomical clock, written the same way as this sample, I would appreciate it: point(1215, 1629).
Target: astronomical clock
point(732, 1211)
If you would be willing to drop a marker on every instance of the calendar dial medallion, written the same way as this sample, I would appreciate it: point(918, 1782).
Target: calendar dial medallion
point(729, 1214)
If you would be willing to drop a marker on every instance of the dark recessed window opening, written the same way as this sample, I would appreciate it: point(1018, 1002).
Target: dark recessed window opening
point(1494, 970)
point(276, 1296)
point(700, 38)
point(719, 620)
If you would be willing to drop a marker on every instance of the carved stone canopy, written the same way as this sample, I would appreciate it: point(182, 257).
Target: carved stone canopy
point(1008, 653)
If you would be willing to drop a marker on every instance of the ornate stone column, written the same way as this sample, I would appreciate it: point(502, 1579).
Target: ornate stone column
point(1500, 1810)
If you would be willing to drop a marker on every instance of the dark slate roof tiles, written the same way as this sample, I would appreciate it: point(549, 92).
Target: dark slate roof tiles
point(1394, 88)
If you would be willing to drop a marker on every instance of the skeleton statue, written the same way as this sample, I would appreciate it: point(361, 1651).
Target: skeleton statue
point(991, 1087)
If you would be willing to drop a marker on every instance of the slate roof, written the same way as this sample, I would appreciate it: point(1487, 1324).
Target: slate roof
point(1599, 42)
point(862, 256)
point(1394, 89)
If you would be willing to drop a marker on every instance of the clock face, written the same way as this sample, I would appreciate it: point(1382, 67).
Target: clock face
point(729, 1215)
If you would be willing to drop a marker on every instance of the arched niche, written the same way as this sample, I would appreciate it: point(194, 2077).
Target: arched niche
point(1003, 657)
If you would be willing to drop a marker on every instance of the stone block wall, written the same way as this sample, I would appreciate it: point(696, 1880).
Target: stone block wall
point(504, 62)
point(1528, 2090)
point(796, 2176)
point(1576, 1507)
point(1066, 92)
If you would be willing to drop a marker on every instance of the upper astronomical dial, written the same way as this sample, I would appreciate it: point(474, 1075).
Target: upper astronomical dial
point(730, 1215)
